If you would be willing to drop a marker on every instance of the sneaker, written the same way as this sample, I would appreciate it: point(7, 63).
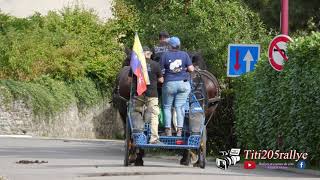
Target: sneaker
point(156, 142)
point(179, 132)
point(168, 132)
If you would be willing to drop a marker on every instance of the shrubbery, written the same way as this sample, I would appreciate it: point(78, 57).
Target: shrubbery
point(47, 96)
point(281, 110)
point(69, 45)
point(53, 57)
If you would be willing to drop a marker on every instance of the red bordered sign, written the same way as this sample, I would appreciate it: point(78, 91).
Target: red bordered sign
point(278, 51)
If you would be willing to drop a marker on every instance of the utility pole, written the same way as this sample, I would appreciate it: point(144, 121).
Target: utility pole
point(285, 17)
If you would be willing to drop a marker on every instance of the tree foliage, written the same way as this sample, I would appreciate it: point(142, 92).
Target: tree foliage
point(303, 15)
point(67, 45)
point(61, 58)
point(201, 25)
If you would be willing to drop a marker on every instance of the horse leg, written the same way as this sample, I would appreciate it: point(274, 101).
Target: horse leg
point(185, 157)
point(139, 160)
point(123, 117)
point(122, 109)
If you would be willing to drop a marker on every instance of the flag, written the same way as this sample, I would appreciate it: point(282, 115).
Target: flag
point(139, 66)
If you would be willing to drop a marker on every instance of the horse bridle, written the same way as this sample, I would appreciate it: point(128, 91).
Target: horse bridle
point(201, 73)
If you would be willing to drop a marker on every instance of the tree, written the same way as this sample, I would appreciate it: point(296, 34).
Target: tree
point(201, 25)
point(302, 14)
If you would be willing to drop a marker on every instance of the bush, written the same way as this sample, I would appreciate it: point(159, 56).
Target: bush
point(52, 61)
point(86, 93)
point(68, 45)
point(46, 96)
point(281, 110)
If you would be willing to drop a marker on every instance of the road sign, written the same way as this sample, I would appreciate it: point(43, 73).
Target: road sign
point(278, 51)
point(242, 58)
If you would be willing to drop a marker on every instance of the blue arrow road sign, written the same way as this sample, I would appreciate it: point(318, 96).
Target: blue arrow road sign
point(242, 58)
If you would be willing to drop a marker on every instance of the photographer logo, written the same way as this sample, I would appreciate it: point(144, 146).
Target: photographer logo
point(249, 164)
point(228, 158)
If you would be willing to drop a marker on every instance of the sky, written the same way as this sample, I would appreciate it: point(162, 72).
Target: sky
point(25, 8)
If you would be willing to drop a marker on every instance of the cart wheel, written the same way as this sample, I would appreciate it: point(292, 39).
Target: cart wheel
point(127, 144)
point(203, 149)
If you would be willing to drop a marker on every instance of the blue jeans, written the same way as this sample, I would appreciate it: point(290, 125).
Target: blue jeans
point(176, 92)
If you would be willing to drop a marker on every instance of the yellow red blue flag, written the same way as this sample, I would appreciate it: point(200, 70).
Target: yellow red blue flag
point(139, 66)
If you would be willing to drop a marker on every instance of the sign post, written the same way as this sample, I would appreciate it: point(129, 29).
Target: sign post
point(285, 17)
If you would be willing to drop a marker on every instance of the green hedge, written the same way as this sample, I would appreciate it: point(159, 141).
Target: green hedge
point(46, 96)
point(281, 110)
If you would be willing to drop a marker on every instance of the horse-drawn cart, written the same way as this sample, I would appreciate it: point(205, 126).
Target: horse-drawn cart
point(192, 141)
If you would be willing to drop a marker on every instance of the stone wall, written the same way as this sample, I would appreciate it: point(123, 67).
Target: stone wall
point(100, 121)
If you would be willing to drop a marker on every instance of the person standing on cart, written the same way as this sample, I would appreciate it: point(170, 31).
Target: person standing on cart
point(162, 47)
point(149, 99)
point(175, 65)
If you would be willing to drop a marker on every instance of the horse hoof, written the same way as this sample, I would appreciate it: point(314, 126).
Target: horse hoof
point(184, 162)
point(196, 164)
point(138, 163)
point(131, 161)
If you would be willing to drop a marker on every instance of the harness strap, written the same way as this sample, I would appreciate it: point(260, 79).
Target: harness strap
point(214, 100)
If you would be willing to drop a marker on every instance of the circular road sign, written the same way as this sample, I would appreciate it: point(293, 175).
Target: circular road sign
point(278, 51)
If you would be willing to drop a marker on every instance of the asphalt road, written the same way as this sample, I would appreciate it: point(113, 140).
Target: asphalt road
point(97, 159)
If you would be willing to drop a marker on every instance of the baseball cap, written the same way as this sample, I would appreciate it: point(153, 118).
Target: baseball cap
point(174, 41)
